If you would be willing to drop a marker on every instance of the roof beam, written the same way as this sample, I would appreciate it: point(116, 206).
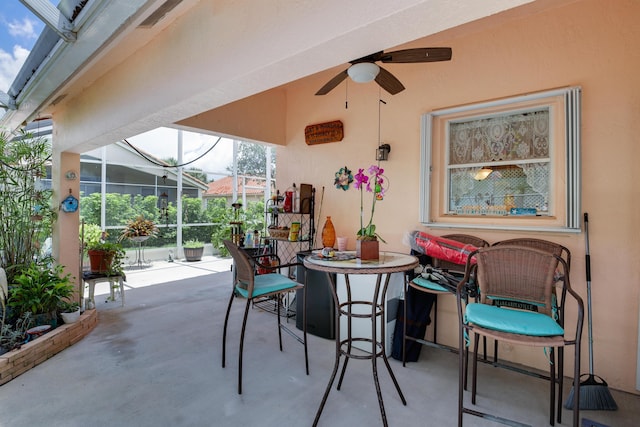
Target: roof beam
point(7, 101)
point(51, 16)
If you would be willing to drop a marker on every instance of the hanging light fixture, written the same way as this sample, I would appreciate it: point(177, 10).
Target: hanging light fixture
point(163, 201)
point(383, 150)
point(382, 153)
point(363, 72)
point(483, 173)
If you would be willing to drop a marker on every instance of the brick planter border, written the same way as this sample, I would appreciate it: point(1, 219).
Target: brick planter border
point(33, 353)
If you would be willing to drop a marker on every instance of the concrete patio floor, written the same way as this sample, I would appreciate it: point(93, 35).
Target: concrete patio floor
point(157, 362)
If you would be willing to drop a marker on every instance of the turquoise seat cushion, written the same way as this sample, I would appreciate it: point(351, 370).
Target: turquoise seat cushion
point(428, 284)
point(267, 283)
point(512, 321)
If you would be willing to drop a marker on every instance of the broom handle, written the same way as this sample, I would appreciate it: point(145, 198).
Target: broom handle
point(587, 262)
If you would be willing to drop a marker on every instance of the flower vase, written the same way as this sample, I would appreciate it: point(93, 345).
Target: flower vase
point(328, 234)
point(367, 249)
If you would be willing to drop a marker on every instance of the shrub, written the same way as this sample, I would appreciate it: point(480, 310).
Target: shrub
point(39, 289)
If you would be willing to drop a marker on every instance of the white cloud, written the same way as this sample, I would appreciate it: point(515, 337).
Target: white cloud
point(10, 64)
point(25, 31)
point(25, 28)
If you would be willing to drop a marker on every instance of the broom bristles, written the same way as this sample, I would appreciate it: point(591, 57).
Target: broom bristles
point(594, 396)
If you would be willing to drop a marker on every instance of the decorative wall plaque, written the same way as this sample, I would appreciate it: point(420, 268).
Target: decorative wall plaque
point(323, 133)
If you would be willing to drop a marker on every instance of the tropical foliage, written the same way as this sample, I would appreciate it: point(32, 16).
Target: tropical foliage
point(26, 216)
point(251, 159)
point(139, 227)
point(208, 224)
point(39, 289)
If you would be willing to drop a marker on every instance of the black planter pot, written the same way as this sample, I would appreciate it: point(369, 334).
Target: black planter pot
point(193, 254)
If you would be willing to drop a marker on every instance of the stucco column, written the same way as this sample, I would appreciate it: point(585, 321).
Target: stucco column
point(65, 239)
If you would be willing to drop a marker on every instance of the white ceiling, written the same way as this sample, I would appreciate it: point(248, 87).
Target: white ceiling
point(260, 45)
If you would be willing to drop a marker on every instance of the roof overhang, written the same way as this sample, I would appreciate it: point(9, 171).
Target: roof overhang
point(274, 46)
point(56, 60)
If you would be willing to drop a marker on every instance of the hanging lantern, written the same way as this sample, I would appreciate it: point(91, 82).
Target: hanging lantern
point(163, 201)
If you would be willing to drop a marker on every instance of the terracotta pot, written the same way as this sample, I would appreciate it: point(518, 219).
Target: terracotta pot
point(367, 249)
point(100, 261)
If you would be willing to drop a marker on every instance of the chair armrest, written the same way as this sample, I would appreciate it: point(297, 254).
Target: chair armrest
point(567, 290)
point(467, 286)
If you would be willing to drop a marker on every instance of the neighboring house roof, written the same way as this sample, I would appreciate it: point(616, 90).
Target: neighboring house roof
point(224, 187)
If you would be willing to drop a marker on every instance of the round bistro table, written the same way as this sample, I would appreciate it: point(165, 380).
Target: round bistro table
point(389, 263)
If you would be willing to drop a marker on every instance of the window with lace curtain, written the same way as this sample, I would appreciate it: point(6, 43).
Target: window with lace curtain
point(500, 165)
point(512, 163)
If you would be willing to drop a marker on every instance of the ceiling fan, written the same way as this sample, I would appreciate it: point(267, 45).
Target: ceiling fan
point(365, 69)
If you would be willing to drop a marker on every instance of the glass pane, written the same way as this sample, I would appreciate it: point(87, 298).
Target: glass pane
point(507, 190)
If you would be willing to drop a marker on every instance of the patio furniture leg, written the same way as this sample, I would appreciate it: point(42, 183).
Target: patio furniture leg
point(224, 331)
point(244, 325)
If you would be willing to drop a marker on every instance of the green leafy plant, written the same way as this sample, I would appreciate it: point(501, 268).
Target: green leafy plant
point(193, 244)
point(68, 306)
point(39, 289)
point(92, 234)
point(12, 336)
point(26, 215)
point(113, 253)
point(139, 227)
point(3, 306)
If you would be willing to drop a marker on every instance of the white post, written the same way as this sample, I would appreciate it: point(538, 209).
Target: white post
point(267, 184)
point(179, 196)
point(103, 190)
point(234, 196)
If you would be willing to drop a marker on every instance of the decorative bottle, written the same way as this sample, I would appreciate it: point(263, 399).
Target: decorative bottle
point(328, 234)
point(296, 199)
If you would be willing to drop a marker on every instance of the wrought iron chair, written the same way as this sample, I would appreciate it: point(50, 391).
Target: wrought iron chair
point(515, 305)
point(422, 284)
point(249, 285)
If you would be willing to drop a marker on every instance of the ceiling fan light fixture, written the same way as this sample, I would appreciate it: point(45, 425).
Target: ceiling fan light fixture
point(363, 72)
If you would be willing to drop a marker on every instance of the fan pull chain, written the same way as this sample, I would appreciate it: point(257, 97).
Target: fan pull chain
point(346, 95)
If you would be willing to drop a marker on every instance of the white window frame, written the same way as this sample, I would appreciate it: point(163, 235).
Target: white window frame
point(565, 108)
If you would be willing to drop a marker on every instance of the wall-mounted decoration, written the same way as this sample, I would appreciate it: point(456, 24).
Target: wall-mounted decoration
point(70, 175)
point(343, 179)
point(69, 204)
point(324, 132)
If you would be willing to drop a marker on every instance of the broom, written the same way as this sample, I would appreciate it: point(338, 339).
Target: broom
point(594, 392)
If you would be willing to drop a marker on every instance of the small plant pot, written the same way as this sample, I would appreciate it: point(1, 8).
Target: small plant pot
point(50, 318)
point(71, 317)
point(193, 254)
point(100, 261)
point(367, 249)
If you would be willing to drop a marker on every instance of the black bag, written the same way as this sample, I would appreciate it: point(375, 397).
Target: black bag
point(418, 309)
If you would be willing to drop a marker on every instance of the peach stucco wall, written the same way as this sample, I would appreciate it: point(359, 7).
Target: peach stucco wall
point(590, 43)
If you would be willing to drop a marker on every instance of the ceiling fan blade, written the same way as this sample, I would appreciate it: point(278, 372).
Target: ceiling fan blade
point(388, 82)
point(424, 54)
point(332, 83)
point(369, 58)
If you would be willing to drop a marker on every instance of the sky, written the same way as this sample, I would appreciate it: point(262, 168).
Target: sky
point(163, 143)
point(19, 30)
